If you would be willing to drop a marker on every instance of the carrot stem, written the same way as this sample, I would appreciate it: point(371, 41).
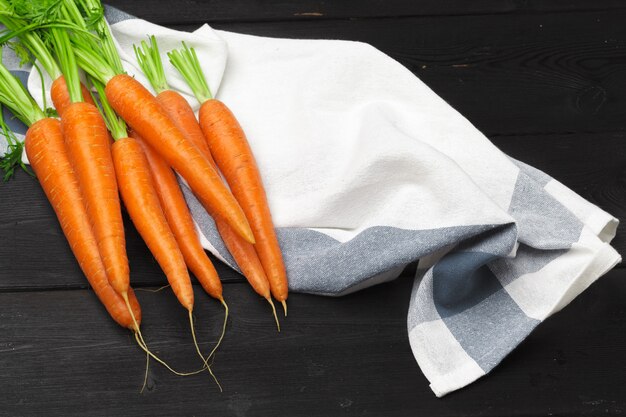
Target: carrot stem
point(187, 63)
point(149, 59)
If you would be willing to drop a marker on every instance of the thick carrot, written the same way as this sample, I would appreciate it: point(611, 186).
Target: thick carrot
point(48, 157)
point(181, 113)
point(230, 148)
point(142, 202)
point(61, 96)
point(180, 221)
point(140, 109)
point(89, 150)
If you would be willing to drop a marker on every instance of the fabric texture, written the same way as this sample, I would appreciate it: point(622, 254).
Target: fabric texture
point(367, 170)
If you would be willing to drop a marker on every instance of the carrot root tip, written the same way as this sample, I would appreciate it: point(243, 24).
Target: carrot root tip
point(145, 377)
point(269, 300)
point(284, 303)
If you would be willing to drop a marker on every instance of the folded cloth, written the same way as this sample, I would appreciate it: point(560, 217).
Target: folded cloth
point(367, 170)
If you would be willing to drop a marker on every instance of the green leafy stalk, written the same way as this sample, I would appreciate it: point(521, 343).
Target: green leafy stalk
point(14, 95)
point(186, 62)
point(13, 156)
point(63, 48)
point(92, 62)
point(114, 123)
point(150, 62)
point(94, 13)
point(31, 40)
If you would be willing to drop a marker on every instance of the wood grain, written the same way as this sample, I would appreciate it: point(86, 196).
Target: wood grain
point(61, 355)
point(201, 11)
point(509, 75)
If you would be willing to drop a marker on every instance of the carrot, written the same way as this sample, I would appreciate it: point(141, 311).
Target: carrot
point(88, 147)
point(229, 146)
point(47, 153)
point(48, 157)
point(180, 221)
point(242, 251)
point(61, 96)
point(143, 113)
point(144, 208)
point(136, 186)
point(181, 113)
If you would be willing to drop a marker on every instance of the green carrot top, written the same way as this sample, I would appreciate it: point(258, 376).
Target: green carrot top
point(150, 62)
point(186, 62)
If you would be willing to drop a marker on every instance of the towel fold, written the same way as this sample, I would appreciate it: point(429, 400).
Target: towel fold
point(367, 170)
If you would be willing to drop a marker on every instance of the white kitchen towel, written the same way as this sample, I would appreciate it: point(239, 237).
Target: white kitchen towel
point(367, 170)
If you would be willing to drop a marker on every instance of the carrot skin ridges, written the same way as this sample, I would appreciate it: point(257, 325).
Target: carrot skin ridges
point(140, 109)
point(89, 150)
point(142, 202)
point(181, 113)
point(246, 257)
point(61, 95)
point(180, 221)
point(232, 153)
point(48, 157)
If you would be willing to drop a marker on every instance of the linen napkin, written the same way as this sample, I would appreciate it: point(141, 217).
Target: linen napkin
point(367, 170)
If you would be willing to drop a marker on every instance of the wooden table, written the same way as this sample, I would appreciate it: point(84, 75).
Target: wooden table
point(545, 81)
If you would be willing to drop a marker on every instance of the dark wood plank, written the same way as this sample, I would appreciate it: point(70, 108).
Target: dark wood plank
point(200, 11)
point(61, 355)
point(508, 74)
point(34, 254)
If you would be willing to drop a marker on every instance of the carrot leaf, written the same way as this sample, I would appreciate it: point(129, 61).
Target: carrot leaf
point(186, 62)
point(114, 123)
point(95, 19)
point(150, 62)
point(12, 158)
point(14, 95)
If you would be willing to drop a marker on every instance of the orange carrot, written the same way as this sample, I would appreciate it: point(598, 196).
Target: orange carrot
point(89, 150)
point(181, 113)
point(48, 157)
point(139, 108)
point(180, 221)
point(142, 202)
point(230, 148)
point(61, 96)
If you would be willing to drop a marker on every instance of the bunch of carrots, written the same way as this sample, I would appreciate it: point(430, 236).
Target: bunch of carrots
point(115, 139)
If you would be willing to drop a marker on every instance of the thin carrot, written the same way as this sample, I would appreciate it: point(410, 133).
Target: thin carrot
point(180, 221)
point(232, 153)
point(181, 113)
point(89, 150)
point(47, 154)
point(144, 208)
